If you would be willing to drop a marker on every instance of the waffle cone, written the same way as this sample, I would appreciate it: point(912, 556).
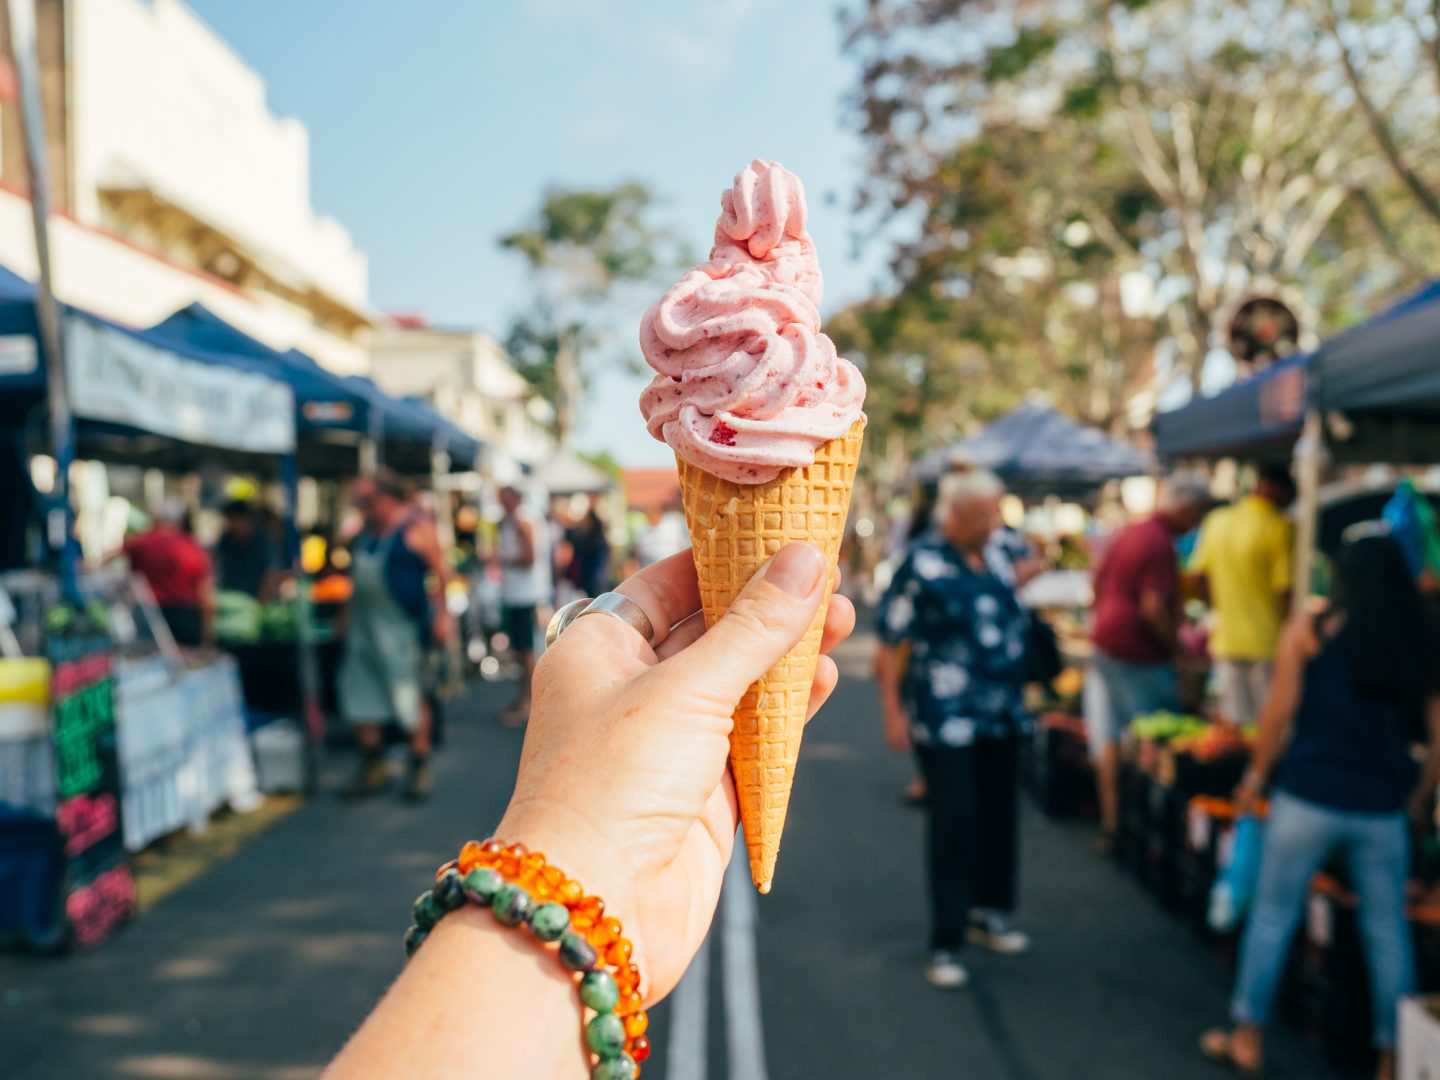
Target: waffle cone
point(733, 529)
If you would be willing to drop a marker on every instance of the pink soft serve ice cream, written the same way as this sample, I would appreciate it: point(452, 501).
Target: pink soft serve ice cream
point(747, 385)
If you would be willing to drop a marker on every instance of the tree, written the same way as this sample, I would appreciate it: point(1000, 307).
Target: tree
point(1207, 145)
point(581, 247)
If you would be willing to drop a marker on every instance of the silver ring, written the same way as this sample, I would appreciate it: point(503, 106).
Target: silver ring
point(623, 608)
point(563, 618)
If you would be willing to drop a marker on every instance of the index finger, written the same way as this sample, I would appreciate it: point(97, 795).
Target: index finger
point(667, 591)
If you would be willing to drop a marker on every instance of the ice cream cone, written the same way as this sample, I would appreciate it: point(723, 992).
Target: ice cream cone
point(733, 529)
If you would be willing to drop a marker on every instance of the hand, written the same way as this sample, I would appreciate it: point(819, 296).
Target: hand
point(623, 780)
point(442, 625)
point(1247, 794)
point(1421, 805)
point(897, 728)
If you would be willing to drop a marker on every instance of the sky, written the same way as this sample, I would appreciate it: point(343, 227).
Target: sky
point(435, 127)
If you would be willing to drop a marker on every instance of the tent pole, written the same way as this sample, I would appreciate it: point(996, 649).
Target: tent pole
point(60, 520)
point(312, 717)
point(1308, 452)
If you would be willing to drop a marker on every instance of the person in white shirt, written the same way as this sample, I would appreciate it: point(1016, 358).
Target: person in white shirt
point(524, 557)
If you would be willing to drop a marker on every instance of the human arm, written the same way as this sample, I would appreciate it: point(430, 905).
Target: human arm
point(424, 540)
point(1297, 645)
point(887, 674)
point(895, 623)
point(1430, 769)
point(1157, 609)
point(525, 529)
point(623, 785)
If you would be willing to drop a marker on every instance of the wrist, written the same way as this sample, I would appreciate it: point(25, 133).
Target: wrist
point(585, 854)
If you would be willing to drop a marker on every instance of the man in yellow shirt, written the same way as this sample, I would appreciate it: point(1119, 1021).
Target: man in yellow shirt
point(1244, 560)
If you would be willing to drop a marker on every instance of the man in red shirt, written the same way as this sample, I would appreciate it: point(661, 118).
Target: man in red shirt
point(177, 569)
point(1137, 614)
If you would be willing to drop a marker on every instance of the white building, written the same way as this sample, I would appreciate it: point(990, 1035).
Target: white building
point(175, 184)
point(468, 377)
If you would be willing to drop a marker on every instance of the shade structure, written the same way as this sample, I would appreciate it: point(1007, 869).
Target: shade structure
point(331, 406)
point(137, 398)
point(1037, 450)
point(1258, 418)
point(1383, 377)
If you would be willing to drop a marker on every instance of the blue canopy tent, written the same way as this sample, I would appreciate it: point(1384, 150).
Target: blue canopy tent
point(333, 412)
point(135, 400)
point(1383, 377)
point(1259, 418)
point(1039, 451)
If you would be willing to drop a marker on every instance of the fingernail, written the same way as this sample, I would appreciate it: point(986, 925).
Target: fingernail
point(796, 569)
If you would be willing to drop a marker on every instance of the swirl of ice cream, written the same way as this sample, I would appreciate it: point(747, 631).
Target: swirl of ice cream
point(746, 385)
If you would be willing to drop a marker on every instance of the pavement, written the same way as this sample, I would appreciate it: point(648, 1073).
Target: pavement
point(262, 966)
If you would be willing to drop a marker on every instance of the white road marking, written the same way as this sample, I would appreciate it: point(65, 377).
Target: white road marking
point(745, 1036)
point(690, 1020)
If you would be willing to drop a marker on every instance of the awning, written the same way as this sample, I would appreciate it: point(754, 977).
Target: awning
point(122, 383)
point(322, 398)
point(1258, 418)
point(1037, 450)
point(1389, 364)
point(326, 401)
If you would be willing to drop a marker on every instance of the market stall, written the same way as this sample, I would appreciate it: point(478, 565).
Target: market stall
point(1370, 396)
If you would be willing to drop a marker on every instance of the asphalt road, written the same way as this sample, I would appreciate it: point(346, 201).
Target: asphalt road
point(262, 966)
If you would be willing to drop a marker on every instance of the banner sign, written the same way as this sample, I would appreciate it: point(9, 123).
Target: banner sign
point(99, 889)
point(115, 377)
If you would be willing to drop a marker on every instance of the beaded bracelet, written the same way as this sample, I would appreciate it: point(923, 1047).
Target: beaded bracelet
point(519, 888)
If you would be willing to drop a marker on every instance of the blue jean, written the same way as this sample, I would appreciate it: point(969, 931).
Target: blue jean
point(1299, 838)
point(1117, 691)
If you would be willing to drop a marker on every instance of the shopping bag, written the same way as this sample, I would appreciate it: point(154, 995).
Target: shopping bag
point(1234, 888)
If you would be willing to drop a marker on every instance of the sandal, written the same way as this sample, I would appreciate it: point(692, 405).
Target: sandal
point(1218, 1045)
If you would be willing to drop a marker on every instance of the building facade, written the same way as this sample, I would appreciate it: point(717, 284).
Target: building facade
point(174, 183)
point(468, 377)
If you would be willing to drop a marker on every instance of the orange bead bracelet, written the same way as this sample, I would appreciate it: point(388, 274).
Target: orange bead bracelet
point(520, 888)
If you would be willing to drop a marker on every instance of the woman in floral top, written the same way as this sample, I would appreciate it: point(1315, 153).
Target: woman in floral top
point(959, 704)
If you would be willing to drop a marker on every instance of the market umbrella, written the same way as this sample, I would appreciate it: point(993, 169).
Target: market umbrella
point(1038, 450)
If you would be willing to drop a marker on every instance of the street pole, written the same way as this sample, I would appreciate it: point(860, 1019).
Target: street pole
point(24, 56)
point(1309, 451)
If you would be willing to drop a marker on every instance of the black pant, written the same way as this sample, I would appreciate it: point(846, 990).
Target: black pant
point(971, 805)
point(185, 622)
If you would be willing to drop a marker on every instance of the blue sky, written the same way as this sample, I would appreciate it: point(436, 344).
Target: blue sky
point(435, 126)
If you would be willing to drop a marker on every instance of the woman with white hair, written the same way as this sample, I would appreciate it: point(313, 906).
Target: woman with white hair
point(960, 706)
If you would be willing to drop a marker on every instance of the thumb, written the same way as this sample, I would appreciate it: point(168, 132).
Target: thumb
point(764, 622)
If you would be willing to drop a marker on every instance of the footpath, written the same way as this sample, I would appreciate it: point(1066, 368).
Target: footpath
point(259, 968)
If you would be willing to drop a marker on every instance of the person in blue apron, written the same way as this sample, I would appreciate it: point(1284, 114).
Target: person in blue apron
point(396, 611)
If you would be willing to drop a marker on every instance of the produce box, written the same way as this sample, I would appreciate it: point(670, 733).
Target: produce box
point(1419, 1041)
point(1330, 995)
point(1059, 771)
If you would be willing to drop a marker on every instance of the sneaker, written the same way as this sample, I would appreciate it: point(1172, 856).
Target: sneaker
point(945, 971)
point(372, 777)
point(417, 780)
point(990, 930)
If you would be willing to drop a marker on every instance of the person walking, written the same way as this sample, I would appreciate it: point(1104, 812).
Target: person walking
point(1243, 564)
point(590, 569)
point(1136, 619)
point(178, 571)
point(960, 706)
point(396, 609)
point(525, 586)
point(1354, 685)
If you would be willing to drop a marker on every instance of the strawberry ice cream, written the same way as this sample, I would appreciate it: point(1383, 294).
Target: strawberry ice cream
point(747, 385)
